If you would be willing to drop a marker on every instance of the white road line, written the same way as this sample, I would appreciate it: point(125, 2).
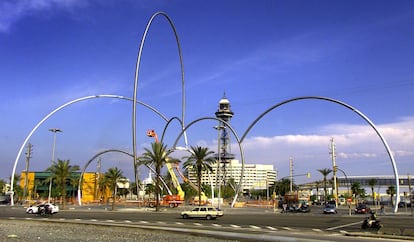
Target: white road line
point(216, 225)
point(109, 220)
point(287, 228)
point(271, 228)
point(234, 226)
point(94, 220)
point(317, 230)
point(198, 224)
point(254, 227)
point(127, 221)
point(143, 222)
point(179, 223)
point(343, 226)
point(160, 222)
point(61, 219)
point(77, 219)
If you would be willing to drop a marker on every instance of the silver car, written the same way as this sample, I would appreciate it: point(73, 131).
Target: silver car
point(330, 209)
point(202, 212)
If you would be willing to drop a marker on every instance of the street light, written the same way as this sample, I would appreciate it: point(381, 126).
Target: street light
point(54, 130)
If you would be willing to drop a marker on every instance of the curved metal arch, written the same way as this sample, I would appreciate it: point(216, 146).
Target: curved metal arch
point(238, 141)
point(166, 126)
point(99, 154)
point(394, 166)
point(58, 109)
point(138, 62)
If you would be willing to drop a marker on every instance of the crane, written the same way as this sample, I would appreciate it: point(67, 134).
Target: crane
point(176, 183)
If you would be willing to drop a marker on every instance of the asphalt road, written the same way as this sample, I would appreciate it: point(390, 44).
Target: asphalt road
point(235, 219)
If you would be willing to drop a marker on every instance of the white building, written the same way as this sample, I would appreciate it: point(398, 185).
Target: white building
point(255, 176)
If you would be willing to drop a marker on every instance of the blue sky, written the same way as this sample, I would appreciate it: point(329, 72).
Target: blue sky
point(259, 53)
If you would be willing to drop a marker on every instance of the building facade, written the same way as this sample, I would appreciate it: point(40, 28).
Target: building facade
point(255, 176)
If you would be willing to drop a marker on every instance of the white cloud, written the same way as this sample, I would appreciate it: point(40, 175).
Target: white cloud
point(11, 11)
point(356, 146)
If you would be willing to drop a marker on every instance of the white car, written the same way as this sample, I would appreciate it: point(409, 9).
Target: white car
point(202, 212)
point(37, 207)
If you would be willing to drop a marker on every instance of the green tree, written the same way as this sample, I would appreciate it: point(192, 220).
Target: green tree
point(200, 160)
point(282, 187)
point(325, 172)
point(372, 183)
point(357, 189)
point(112, 177)
point(159, 156)
point(61, 173)
point(391, 191)
point(2, 186)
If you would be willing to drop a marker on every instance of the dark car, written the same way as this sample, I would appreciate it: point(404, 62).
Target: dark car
point(362, 209)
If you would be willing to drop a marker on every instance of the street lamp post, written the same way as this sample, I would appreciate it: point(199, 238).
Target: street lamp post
point(54, 130)
point(347, 184)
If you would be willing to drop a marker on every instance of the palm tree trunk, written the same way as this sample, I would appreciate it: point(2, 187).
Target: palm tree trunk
point(157, 189)
point(199, 190)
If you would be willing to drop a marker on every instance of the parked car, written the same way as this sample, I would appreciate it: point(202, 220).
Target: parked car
point(330, 209)
point(362, 209)
point(36, 208)
point(403, 204)
point(202, 212)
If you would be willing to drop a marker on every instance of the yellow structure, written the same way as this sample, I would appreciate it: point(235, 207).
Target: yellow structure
point(38, 186)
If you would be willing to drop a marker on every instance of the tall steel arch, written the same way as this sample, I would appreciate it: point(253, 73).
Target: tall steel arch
point(394, 166)
point(141, 47)
point(58, 109)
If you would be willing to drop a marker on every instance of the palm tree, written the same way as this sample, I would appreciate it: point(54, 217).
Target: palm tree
point(325, 172)
point(372, 183)
point(112, 177)
point(159, 156)
point(61, 172)
point(200, 160)
point(391, 191)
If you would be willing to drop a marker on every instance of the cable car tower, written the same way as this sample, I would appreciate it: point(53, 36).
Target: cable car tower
point(224, 113)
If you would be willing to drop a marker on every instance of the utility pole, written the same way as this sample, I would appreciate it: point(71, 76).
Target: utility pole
point(98, 173)
point(291, 173)
point(333, 156)
point(26, 179)
point(410, 193)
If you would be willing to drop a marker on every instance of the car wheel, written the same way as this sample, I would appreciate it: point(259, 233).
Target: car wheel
point(185, 216)
point(208, 217)
point(30, 211)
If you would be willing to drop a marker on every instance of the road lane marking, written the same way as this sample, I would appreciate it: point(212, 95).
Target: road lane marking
point(198, 224)
point(216, 225)
point(143, 222)
point(127, 221)
point(179, 223)
point(254, 227)
point(94, 220)
point(343, 226)
point(317, 230)
point(110, 220)
point(234, 226)
point(271, 228)
point(287, 228)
